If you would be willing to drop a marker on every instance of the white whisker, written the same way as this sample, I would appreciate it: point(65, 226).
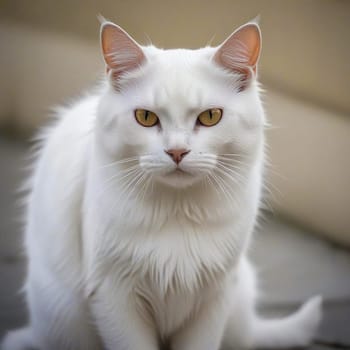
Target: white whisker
point(231, 160)
point(121, 161)
point(229, 176)
point(116, 177)
point(222, 187)
point(128, 183)
point(232, 173)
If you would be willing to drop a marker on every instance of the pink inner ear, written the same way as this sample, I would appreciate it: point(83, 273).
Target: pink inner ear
point(120, 51)
point(240, 52)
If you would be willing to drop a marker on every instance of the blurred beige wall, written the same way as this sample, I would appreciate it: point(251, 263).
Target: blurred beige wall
point(50, 51)
point(305, 48)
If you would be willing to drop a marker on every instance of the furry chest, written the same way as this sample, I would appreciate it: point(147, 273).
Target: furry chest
point(166, 312)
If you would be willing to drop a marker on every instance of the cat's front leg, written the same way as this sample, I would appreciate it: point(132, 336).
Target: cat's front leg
point(205, 330)
point(119, 322)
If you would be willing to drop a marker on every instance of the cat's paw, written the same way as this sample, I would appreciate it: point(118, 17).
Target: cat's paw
point(309, 316)
point(20, 339)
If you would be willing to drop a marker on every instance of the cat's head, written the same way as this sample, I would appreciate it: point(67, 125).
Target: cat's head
point(182, 116)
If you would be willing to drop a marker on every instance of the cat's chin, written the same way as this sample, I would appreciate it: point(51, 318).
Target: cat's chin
point(178, 179)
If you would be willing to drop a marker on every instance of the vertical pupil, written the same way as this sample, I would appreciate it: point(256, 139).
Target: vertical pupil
point(210, 114)
point(146, 115)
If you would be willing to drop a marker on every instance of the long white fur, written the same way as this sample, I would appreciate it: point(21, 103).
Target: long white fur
point(125, 255)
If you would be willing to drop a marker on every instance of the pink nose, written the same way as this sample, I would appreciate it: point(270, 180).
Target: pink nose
point(177, 154)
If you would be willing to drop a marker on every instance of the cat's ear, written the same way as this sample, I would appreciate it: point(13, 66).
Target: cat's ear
point(120, 51)
point(240, 52)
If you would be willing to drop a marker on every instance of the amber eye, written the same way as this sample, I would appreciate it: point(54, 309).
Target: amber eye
point(210, 117)
point(146, 118)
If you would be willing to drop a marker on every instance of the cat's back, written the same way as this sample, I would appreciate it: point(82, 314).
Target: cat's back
point(58, 180)
point(72, 126)
point(65, 144)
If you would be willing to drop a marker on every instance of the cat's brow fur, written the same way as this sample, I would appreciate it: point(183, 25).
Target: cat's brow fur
point(130, 251)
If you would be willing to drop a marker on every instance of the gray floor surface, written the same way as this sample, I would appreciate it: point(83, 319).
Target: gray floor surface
point(293, 264)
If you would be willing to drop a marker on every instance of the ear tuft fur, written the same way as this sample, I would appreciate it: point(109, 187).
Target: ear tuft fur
point(121, 52)
point(240, 52)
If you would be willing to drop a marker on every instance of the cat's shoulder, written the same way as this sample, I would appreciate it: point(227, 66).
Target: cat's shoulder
point(65, 142)
point(79, 115)
point(70, 123)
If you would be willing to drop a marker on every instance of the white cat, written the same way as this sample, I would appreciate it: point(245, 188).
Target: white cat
point(143, 202)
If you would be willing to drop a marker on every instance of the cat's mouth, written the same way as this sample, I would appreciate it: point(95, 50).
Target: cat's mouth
point(179, 172)
point(178, 178)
